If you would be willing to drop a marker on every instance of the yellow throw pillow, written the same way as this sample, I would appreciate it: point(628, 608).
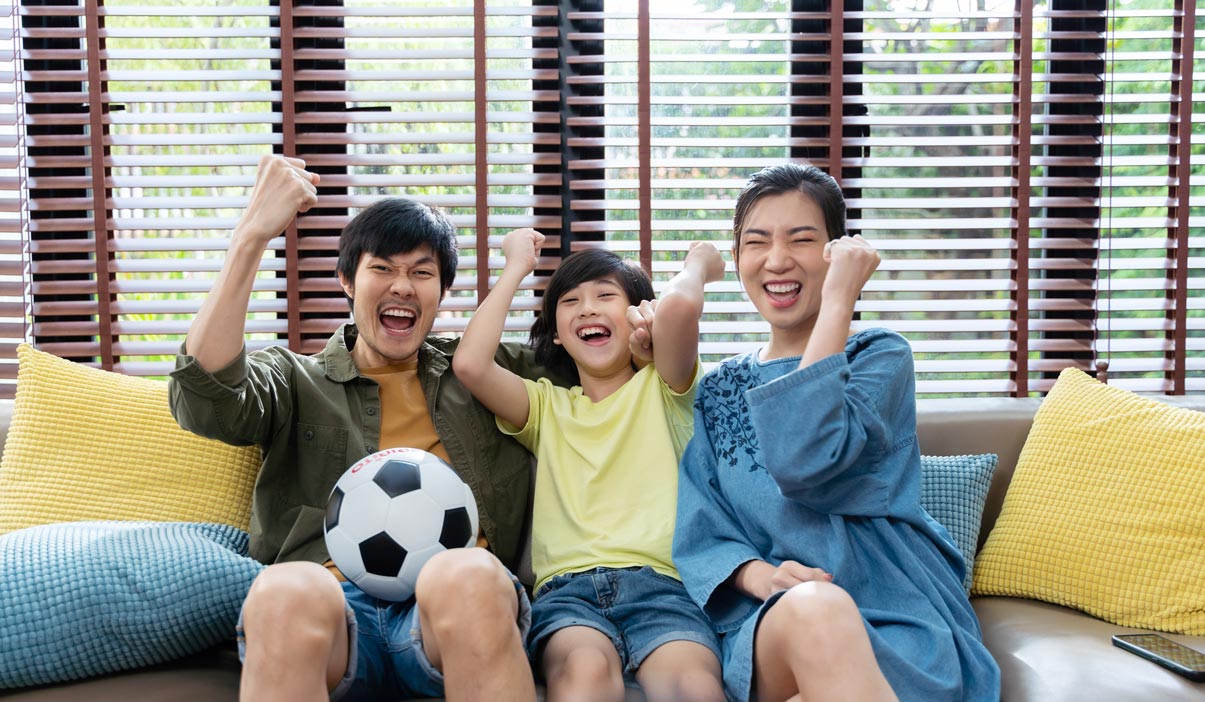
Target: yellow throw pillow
point(86, 444)
point(1106, 510)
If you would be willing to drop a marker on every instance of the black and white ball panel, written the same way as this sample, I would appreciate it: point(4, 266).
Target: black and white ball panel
point(390, 512)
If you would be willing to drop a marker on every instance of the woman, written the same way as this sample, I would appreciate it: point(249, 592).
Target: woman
point(804, 463)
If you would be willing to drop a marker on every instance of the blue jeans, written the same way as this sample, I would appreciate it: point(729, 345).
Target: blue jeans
point(385, 657)
point(637, 608)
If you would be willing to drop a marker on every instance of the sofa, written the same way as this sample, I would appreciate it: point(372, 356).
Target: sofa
point(1046, 653)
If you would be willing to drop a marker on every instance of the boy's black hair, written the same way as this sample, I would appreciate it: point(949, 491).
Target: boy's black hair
point(577, 268)
point(815, 184)
point(398, 225)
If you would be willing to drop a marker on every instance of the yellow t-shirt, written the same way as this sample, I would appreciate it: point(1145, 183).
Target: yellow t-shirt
point(607, 476)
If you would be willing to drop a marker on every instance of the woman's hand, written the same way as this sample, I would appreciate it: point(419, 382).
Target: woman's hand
point(852, 260)
point(761, 580)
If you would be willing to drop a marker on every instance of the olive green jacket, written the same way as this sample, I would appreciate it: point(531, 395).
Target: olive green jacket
point(314, 416)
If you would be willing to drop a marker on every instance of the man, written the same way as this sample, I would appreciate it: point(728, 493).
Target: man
point(380, 382)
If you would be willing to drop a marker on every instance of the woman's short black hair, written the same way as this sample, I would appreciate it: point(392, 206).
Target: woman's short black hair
point(398, 225)
point(577, 268)
point(812, 182)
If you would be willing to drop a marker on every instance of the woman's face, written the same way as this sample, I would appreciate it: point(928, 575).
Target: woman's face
point(780, 260)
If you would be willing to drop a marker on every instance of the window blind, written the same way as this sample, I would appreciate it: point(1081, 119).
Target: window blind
point(151, 148)
point(1028, 170)
point(13, 313)
point(696, 98)
point(1018, 165)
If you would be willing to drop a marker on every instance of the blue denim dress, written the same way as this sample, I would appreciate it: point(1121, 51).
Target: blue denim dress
point(821, 466)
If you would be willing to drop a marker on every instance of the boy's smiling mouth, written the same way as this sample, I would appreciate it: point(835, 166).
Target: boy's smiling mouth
point(594, 334)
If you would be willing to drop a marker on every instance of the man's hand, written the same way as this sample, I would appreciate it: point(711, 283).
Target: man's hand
point(282, 189)
point(522, 250)
point(852, 260)
point(640, 341)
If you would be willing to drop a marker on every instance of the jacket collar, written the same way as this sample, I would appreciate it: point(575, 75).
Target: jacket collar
point(339, 366)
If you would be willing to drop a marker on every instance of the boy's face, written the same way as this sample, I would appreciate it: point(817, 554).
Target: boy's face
point(394, 303)
point(592, 326)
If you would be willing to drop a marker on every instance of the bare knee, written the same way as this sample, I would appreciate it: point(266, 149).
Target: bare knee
point(586, 672)
point(698, 686)
point(467, 591)
point(299, 602)
point(817, 621)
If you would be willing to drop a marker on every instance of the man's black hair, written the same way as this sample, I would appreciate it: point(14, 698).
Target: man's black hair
point(398, 225)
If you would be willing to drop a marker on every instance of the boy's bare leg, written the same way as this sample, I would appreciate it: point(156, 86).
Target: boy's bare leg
point(582, 665)
point(295, 624)
point(468, 609)
point(681, 670)
point(812, 645)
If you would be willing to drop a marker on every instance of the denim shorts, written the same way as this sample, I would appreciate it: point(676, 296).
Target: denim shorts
point(637, 608)
point(385, 657)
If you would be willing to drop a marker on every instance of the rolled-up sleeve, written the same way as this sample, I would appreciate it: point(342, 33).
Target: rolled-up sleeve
point(237, 404)
point(824, 429)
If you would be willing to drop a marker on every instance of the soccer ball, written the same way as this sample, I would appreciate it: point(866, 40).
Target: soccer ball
point(392, 511)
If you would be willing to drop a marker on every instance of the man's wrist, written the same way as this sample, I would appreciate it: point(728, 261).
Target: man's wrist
point(244, 240)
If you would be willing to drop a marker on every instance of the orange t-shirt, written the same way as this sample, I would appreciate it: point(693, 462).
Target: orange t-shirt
point(405, 420)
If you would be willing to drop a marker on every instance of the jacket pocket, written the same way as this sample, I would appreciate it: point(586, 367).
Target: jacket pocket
point(319, 438)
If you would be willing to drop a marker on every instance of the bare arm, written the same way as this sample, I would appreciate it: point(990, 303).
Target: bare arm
point(851, 263)
point(282, 189)
point(500, 390)
point(675, 336)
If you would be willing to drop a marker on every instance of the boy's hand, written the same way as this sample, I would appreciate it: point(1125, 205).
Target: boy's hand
point(282, 189)
point(852, 260)
point(640, 341)
point(707, 258)
point(522, 249)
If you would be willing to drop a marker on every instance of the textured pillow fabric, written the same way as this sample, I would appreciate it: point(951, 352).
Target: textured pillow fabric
point(953, 490)
point(85, 444)
point(1106, 510)
point(86, 598)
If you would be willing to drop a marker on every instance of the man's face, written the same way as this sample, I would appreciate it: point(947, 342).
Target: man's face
point(394, 301)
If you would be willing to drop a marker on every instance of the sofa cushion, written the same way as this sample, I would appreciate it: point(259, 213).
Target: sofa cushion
point(86, 444)
point(1106, 510)
point(86, 598)
point(953, 490)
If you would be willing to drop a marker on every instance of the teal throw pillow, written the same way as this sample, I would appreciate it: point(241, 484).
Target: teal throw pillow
point(86, 598)
point(953, 491)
